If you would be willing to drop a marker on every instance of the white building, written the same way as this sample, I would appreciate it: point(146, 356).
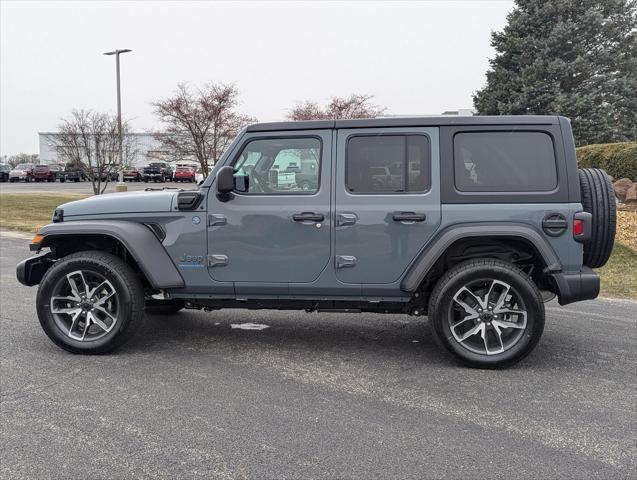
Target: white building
point(148, 148)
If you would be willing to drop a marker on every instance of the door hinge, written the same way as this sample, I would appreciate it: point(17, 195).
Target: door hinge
point(345, 261)
point(217, 260)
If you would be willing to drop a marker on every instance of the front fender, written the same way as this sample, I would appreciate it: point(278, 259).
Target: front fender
point(137, 238)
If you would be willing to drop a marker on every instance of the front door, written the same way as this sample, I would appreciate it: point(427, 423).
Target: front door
point(278, 231)
point(387, 201)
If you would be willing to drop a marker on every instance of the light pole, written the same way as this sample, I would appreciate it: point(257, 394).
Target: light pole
point(119, 112)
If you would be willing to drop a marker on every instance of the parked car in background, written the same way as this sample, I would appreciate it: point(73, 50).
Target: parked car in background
point(199, 178)
point(184, 174)
point(107, 172)
point(72, 173)
point(157, 172)
point(57, 170)
point(4, 172)
point(132, 174)
point(23, 171)
point(43, 173)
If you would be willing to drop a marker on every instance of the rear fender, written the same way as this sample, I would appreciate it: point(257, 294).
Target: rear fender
point(428, 257)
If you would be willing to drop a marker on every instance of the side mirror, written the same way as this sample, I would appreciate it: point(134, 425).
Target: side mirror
point(225, 179)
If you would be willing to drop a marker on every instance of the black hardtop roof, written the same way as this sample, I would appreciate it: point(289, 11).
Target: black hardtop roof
point(407, 122)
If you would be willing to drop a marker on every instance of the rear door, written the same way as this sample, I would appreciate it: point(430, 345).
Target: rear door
point(387, 198)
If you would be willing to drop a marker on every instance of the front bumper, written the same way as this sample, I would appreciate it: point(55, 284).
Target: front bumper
point(30, 271)
point(574, 287)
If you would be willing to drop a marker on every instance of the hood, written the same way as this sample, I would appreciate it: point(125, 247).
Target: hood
point(123, 202)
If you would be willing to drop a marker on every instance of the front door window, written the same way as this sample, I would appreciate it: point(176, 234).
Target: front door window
point(278, 166)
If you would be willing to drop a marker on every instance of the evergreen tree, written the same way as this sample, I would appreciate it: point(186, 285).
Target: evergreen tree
point(576, 58)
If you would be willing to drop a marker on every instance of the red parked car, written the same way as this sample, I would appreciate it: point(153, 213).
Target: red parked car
point(184, 174)
point(132, 174)
point(42, 173)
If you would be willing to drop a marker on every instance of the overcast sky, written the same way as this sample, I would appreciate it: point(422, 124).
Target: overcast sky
point(416, 58)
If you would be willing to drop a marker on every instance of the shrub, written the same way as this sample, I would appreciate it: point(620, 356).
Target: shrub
point(618, 159)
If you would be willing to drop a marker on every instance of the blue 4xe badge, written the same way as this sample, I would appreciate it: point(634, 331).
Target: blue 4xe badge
point(196, 220)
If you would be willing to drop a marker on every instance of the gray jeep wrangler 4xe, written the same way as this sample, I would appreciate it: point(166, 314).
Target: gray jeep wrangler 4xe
point(474, 222)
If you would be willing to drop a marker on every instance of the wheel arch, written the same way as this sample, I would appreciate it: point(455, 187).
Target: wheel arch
point(519, 237)
point(138, 242)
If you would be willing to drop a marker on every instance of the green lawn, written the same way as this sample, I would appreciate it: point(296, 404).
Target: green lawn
point(28, 212)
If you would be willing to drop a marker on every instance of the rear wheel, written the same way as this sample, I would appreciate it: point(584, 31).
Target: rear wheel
point(90, 302)
point(598, 199)
point(487, 313)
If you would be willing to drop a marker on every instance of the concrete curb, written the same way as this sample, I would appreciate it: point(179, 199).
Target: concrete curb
point(16, 234)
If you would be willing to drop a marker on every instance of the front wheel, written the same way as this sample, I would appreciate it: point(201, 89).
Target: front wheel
point(90, 302)
point(487, 313)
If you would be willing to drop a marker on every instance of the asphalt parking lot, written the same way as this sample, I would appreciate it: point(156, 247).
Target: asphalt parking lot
point(314, 395)
point(82, 187)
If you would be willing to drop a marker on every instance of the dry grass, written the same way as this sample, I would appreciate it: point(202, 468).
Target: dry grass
point(619, 275)
point(627, 228)
point(28, 212)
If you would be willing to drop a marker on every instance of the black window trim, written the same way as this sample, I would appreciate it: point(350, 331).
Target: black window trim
point(391, 134)
point(554, 189)
point(568, 181)
point(280, 137)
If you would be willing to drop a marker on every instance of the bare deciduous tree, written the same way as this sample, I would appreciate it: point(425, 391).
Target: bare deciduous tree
point(14, 160)
point(89, 141)
point(354, 106)
point(200, 125)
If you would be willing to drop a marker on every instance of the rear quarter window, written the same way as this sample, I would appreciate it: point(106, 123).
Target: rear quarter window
point(504, 161)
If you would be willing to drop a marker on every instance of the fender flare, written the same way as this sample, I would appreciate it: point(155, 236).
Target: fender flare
point(139, 240)
point(443, 240)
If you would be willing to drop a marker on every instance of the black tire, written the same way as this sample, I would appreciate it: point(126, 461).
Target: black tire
point(598, 199)
point(129, 299)
point(164, 307)
point(443, 311)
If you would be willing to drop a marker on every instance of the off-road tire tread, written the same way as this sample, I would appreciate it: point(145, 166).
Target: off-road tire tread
point(598, 199)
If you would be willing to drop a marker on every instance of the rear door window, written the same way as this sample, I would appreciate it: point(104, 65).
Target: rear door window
point(504, 162)
point(387, 164)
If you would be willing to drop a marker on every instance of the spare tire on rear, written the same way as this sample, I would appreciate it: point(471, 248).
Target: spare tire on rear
point(598, 199)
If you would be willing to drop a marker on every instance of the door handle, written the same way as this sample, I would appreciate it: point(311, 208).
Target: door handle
point(409, 217)
point(308, 217)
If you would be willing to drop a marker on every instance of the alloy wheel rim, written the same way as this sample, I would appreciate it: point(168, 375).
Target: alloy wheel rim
point(85, 305)
point(487, 317)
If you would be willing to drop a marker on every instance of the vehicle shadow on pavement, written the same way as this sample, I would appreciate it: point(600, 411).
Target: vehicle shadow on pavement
point(399, 339)
point(375, 335)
